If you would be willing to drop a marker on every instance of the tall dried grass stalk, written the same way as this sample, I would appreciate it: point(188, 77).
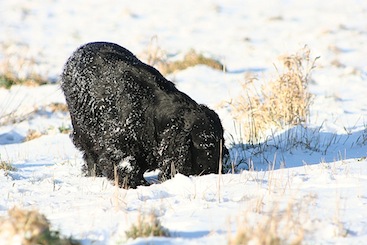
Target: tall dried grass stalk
point(154, 55)
point(220, 169)
point(282, 102)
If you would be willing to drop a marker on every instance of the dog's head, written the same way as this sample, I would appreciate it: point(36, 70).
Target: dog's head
point(208, 149)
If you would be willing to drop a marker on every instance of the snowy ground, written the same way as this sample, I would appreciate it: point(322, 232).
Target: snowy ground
point(325, 188)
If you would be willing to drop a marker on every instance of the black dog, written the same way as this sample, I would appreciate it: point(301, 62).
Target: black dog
point(127, 118)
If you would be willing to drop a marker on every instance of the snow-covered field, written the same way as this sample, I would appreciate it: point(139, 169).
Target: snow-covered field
point(320, 193)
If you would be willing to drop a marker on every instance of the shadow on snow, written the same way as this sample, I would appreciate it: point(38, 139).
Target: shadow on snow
point(297, 147)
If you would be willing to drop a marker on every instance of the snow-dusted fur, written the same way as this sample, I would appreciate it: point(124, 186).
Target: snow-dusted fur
point(126, 114)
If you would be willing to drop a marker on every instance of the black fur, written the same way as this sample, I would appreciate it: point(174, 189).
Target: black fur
point(126, 115)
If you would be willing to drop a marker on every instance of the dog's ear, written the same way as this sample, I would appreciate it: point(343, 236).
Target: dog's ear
point(199, 125)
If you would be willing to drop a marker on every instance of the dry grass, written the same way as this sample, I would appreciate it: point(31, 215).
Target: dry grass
point(147, 226)
point(32, 134)
point(155, 56)
point(6, 166)
point(58, 107)
point(14, 117)
point(275, 227)
point(282, 102)
point(64, 129)
point(29, 228)
point(191, 58)
point(18, 66)
point(362, 139)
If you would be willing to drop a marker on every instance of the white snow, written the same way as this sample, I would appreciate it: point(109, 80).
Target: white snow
point(125, 163)
point(324, 183)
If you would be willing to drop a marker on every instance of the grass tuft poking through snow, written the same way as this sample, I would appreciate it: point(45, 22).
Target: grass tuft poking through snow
point(282, 102)
point(147, 226)
point(155, 56)
point(28, 228)
point(32, 134)
point(274, 226)
point(191, 58)
point(6, 166)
